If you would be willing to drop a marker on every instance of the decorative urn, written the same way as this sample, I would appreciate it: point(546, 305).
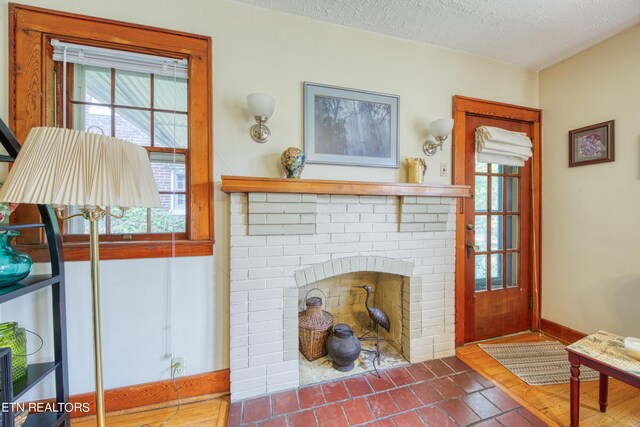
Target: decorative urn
point(292, 160)
point(343, 347)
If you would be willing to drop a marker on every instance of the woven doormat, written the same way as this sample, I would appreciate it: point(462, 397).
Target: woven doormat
point(537, 363)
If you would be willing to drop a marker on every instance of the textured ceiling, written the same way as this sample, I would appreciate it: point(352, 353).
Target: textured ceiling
point(528, 33)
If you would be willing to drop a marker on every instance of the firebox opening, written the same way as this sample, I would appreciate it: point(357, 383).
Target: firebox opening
point(344, 297)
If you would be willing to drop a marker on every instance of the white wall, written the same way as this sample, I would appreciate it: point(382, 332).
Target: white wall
point(255, 50)
point(590, 239)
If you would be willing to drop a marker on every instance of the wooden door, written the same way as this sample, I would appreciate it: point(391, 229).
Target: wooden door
point(497, 238)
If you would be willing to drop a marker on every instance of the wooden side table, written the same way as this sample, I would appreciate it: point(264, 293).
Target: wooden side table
point(603, 352)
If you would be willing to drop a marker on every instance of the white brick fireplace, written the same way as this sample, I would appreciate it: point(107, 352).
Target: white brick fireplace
point(280, 242)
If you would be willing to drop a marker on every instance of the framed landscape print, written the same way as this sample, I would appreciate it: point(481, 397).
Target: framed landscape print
point(350, 127)
point(591, 144)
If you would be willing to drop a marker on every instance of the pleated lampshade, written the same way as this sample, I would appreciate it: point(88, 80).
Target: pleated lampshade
point(69, 167)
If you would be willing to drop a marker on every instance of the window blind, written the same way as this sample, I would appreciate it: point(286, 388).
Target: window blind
point(119, 59)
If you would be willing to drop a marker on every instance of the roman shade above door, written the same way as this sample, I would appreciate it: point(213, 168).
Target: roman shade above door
point(501, 146)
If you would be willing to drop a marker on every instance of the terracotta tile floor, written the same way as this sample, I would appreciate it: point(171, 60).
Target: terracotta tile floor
point(440, 393)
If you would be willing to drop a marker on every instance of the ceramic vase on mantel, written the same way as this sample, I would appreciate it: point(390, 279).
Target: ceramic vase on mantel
point(416, 168)
point(292, 160)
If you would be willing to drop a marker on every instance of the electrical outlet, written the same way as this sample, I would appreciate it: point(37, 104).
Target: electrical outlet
point(444, 169)
point(178, 367)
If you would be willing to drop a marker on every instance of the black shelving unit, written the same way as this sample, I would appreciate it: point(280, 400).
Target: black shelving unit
point(36, 372)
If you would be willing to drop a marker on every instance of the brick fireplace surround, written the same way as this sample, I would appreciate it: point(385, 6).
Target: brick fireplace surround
point(286, 234)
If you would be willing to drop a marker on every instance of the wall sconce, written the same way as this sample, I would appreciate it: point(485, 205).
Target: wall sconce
point(261, 107)
point(440, 129)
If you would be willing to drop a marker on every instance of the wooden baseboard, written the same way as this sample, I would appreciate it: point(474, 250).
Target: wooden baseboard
point(119, 399)
point(560, 332)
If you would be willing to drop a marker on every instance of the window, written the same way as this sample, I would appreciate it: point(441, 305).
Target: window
point(147, 109)
point(169, 113)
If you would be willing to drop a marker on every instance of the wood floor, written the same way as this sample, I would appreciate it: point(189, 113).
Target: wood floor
point(552, 401)
point(203, 413)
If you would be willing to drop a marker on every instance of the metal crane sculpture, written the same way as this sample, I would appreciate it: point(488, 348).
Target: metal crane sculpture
point(379, 318)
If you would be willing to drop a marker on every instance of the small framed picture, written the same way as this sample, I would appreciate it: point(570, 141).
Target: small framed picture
point(591, 144)
point(350, 127)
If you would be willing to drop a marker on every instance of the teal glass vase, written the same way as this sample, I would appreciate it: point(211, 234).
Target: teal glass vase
point(15, 338)
point(14, 265)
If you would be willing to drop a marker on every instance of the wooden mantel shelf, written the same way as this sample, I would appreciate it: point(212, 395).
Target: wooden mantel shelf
point(247, 184)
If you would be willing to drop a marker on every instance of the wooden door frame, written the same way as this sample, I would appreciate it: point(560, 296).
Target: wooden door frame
point(463, 106)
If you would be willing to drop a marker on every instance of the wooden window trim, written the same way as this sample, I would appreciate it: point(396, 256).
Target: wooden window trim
point(31, 103)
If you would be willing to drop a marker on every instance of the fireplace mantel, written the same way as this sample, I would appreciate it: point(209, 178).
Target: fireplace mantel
point(248, 184)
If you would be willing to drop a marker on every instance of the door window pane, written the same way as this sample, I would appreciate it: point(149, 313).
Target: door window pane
point(170, 130)
point(513, 170)
point(513, 194)
point(481, 233)
point(512, 232)
point(133, 126)
point(496, 232)
point(481, 273)
point(133, 89)
point(496, 272)
point(481, 167)
point(496, 168)
point(496, 194)
point(481, 194)
point(512, 270)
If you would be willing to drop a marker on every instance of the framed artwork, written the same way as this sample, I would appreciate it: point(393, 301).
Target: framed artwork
point(591, 144)
point(350, 127)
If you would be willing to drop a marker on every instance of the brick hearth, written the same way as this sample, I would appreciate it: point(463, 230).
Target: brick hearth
point(443, 392)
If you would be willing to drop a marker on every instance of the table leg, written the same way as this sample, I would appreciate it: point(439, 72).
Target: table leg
point(575, 393)
point(604, 391)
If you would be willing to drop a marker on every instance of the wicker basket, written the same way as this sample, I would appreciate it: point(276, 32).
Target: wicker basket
point(314, 326)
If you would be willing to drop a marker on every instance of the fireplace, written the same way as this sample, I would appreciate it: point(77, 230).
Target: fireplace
point(283, 244)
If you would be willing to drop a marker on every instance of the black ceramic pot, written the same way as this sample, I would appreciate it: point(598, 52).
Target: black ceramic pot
point(343, 347)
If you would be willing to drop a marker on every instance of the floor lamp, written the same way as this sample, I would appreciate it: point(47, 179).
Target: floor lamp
point(65, 167)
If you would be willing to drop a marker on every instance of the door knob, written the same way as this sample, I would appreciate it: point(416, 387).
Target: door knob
point(471, 226)
point(471, 248)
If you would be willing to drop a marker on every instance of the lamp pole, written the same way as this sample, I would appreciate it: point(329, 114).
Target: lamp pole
point(94, 215)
